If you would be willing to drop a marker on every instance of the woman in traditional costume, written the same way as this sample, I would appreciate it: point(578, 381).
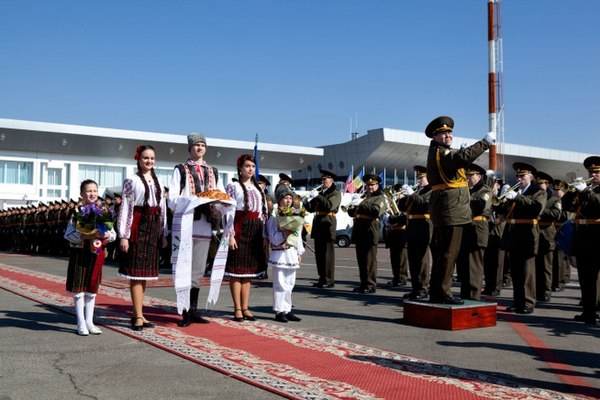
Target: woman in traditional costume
point(86, 259)
point(142, 227)
point(246, 252)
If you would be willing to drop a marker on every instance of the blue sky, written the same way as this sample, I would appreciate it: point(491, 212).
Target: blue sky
point(302, 72)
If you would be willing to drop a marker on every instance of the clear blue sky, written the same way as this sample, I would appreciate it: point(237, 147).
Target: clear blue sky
point(302, 72)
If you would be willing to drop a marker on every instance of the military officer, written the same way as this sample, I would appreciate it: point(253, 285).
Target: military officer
point(475, 235)
point(325, 203)
point(418, 233)
point(524, 206)
point(584, 200)
point(264, 183)
point(395, 240)
point(560, 261)
point(449, 202)
point(366, 231)
point(545, 255)
point(493, 258)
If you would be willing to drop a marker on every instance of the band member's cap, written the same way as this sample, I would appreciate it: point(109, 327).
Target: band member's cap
point(522, 168)
point(371, 179)
point(592, 163)
point(475, 169)
point(285, 177)
point(420, 170)
point(194, 138)
point(263, 179)
point(542, 177)
point(438, 125)
point(327, 174)
point(561, 185)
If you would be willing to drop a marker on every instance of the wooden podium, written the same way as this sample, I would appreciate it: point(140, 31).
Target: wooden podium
point(471, 314)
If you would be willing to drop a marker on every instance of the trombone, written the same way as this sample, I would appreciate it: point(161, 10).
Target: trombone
point(498, 200)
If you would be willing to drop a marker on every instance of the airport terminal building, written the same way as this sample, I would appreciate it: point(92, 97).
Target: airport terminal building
point(41, 162)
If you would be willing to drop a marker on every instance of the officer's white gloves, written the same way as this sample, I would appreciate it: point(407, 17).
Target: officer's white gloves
point(490, 138)
point(581, 186)
point(313, 193)
point(511, 195)
point(407, 190)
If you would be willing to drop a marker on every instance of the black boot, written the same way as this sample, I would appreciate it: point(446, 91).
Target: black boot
point(186, 319)
point(195, 317)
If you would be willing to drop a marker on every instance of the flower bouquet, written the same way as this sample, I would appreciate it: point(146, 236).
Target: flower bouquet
point(291, 219)
point(92, 219)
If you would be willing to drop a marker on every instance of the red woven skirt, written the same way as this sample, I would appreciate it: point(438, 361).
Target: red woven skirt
point(249, 258)
point(142, 259)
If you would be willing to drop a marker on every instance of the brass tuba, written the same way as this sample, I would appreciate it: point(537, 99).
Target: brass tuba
point(390, 200)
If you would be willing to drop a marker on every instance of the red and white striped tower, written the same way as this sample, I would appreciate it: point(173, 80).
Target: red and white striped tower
point(495, 96)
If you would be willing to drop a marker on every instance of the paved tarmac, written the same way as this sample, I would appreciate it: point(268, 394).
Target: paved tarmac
point(43, 358)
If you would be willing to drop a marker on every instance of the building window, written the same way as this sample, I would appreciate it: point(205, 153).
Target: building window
point(164, 175)
point(16, 172)
point(103, 175)
point(54, 176)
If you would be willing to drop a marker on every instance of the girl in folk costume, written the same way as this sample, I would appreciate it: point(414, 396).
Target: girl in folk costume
point(284, 259)
point(246, 252)
point(142, 226)
point(84, 272)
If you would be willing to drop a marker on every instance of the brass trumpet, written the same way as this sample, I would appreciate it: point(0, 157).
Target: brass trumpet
point(354, 203)
point(306, 195)
point(576, 182)
point(498, 200)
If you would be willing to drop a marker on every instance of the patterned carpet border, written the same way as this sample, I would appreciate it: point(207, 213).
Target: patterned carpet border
point(278, 377)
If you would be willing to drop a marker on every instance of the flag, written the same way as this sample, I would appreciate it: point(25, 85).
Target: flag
point(382, 177)
point(349, 186)
point(256, 173)
point(358, 182)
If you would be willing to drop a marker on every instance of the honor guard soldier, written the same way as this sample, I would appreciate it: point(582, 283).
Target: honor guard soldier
point(415, 203)
point(475, 236)
point(545, 255)
point(583, 198)
point(366, 231)
point(449, 203)
point(325, 203)
point(395, 240)
point(524, 206)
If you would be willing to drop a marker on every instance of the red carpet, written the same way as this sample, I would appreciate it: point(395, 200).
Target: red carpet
point(289, 362)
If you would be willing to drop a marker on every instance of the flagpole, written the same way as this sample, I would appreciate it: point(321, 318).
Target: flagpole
point(256, 172)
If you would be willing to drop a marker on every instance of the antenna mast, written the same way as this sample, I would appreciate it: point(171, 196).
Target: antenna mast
point(495, 93)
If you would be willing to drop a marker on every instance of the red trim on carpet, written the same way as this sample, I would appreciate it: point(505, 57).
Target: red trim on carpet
point(322, 367)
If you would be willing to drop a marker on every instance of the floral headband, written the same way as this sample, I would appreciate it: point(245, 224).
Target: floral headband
point(138, 152)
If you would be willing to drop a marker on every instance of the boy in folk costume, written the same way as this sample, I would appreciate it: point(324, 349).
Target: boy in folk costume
point(193, 177)
point(285, 260)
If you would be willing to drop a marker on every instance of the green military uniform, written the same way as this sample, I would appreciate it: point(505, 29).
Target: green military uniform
point(449, 204)
point(521, 236)
point(418, 236)
point(325, 206)
point(365, 234)
point(585, 202)
point(545, 255)
point(475, 237)
point(395, 240)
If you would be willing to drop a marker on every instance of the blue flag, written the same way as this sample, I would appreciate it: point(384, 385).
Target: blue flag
point(256, 156)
